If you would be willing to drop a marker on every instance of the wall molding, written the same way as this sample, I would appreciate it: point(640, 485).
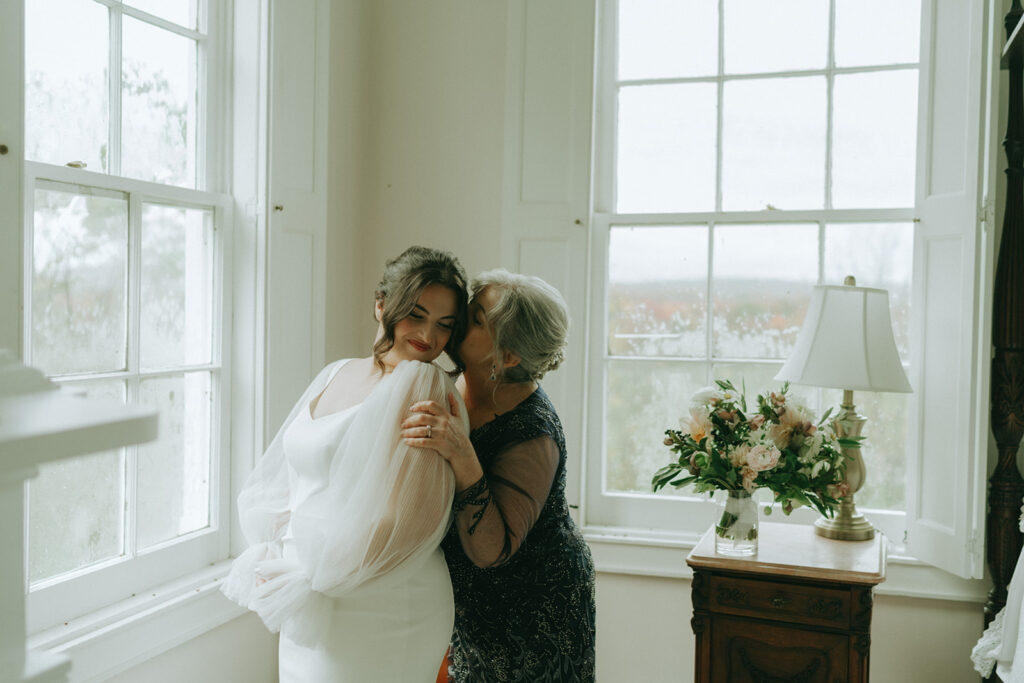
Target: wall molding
point(111, 640)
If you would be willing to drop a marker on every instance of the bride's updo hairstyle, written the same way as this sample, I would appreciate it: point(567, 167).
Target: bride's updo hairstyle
point(405, 277)
point(530, 319)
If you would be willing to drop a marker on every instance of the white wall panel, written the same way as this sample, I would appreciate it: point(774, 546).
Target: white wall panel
point(297, 201)
point(548, 95)
point(946, 468)
point(12, 84)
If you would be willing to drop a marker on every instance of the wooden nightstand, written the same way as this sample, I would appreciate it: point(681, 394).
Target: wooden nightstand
point(799, 611)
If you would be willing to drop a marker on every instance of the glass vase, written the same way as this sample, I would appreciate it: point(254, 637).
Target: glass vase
point(736, 530)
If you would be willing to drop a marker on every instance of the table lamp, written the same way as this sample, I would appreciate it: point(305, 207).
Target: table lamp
point(846, 342)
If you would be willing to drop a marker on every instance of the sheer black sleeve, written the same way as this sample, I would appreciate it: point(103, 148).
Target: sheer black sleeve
point(494, 515)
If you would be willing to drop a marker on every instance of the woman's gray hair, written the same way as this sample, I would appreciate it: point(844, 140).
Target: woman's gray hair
point(529, 318)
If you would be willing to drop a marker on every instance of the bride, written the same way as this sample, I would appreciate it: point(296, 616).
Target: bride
point(344, 520)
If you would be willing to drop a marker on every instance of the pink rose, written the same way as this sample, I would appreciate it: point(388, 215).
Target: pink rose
point(762, 457)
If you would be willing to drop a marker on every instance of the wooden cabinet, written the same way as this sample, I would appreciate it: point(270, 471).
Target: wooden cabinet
point(799, 611)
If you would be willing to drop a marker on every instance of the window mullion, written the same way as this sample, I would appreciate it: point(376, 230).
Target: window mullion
point(114, 90)
point(719, 115)
point(134, 336)
point(830, 78)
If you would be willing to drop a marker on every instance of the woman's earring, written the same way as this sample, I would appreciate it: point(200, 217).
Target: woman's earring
point(494, 377)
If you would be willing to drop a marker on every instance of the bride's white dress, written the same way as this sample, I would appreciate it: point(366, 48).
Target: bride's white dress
point(344, 523)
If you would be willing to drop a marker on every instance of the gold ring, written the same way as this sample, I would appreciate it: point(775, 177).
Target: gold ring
point(429, 431)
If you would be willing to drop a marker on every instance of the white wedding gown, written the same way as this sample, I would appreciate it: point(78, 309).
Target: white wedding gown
point(344, 523)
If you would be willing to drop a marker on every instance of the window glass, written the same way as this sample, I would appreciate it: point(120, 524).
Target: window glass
point(874, 130)
point(76, 506)
point(174, 470)
point(67, 115)
point(666, 148)
point(781, 35)
point(667, 38)
point(644, 399)
point(657, 291)
point(181, 12)
point(763, 275)
point(177, 286)
point(773, 143)
point(79, 280)
point(872, 32)
point(158, 125)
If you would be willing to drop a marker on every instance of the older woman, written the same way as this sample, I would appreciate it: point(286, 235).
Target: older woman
point(522, 575)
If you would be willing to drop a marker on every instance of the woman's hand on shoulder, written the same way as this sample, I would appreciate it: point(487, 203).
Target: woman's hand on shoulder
point(441, 428)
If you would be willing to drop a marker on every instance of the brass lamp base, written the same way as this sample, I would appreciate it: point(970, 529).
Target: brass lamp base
point(847, 525)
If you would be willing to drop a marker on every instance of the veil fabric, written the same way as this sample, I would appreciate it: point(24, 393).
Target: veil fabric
point(385, 506)
point(1003, 640)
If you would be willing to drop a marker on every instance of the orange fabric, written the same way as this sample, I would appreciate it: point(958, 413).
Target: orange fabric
point(442, 673)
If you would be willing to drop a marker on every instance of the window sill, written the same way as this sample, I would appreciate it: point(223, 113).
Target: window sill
point(643, 552)
point(111, 640)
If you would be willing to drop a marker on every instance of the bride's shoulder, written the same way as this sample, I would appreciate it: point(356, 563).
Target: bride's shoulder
point(424, 370)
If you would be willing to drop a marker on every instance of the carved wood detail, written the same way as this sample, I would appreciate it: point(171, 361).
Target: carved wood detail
point(758, 675)
point(732, 597)
point(699, 624)
point(826, 609)
point(699, 590)
point(864, 599)
point(1006, 487)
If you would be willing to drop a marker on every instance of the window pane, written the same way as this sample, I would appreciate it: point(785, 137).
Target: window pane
point(79, 281)
point(773, 144)
point(66, 98)
point(159, 102)
point(885, 447)
point(667, 38)
point(759, 378)
point(176, 286)
point(181, 12)
point(76, 506)
point(763, 276)
point(657, 291)
point(666, 148)
point(644, 399)
point(874, 139)
point(174, 471)
point(872, 32)
point(878, 255)
point(781, 35)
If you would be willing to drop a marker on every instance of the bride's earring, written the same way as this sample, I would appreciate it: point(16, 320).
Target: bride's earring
point(494, 377)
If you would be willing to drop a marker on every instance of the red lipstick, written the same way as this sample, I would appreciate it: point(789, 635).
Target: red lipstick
point(418, 345)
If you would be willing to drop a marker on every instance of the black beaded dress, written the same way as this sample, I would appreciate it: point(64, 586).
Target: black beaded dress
point(524, 610)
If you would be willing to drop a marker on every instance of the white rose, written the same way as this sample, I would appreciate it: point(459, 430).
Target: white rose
point(704, 396)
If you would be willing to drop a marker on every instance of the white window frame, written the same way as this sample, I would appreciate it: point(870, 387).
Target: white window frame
point(618, 526)
point(79, 592)
point(86, 591)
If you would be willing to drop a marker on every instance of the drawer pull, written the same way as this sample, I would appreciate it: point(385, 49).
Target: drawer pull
point(779, 602)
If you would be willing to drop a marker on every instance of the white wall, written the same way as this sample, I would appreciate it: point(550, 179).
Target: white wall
point(417, 120)
point(643, 634)
point(417, 108)
point(240, 651)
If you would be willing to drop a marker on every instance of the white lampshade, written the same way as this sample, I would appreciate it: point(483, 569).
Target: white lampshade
point(846, 342)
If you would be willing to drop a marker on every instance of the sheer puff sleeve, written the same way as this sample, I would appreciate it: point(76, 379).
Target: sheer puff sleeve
point(494, 515)
point(385, 506)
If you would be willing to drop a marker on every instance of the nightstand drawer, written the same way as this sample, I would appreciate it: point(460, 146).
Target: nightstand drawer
point(790, 602)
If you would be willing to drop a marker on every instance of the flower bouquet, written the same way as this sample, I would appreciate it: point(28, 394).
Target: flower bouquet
point(779, 447)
